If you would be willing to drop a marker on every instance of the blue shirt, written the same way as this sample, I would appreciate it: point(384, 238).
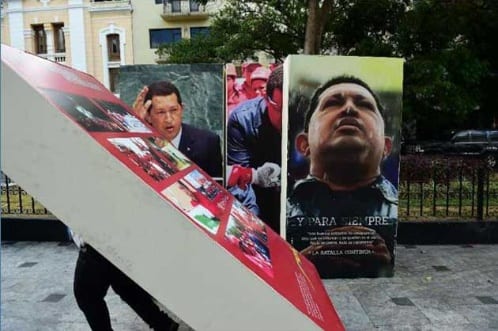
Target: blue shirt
point(252, 141)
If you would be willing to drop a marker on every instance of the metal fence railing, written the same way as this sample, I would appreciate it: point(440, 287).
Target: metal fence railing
point(430, 193)
point(16, 201)
point(442, 188)
point(466, 197)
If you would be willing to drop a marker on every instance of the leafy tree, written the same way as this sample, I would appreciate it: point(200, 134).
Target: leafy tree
point(442, 91)
point(451, 68)
point(443, 75)
point(243, 28)
point(480, 25)
point(195, 50)
point(279, 28)
point(365, 27)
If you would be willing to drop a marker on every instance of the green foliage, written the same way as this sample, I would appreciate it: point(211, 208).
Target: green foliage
point(443, 89)
point(201, 49)
point(443, 75)
point(445, 187)
point(366, 27)
point(241, 29)
point(271, 26)
point(449, 61)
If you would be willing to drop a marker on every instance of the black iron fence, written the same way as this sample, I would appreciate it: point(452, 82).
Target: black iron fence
point(451, 188)
point(430, 188)
point(16, 201)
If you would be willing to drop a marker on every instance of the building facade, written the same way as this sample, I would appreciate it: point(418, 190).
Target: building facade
point(98, 36)
point(89, 35)
point(166, 21)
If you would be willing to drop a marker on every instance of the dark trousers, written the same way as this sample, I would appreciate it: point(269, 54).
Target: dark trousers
point(92, 278)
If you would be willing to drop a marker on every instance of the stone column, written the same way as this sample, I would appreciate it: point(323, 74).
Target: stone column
point(49, 34)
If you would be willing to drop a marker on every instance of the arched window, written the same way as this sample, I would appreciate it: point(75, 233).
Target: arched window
point(112, 40)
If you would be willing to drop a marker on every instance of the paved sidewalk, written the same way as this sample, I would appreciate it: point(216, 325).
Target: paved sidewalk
point(434, 288)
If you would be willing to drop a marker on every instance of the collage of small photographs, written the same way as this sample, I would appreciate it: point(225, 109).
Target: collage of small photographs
point(170, 173)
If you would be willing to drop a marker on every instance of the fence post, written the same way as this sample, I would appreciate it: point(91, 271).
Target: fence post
point(480, 193)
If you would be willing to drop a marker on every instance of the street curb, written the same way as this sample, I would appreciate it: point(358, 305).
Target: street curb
point(34, 229)
point(448, 232)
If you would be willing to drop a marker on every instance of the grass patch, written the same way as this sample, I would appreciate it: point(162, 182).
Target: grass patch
point(448, 199)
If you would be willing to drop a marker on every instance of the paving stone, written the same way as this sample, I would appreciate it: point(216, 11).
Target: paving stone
point(403, 301)
point(441, 268)
point(487, 300)
point(54, 297)
point(354, 317)
point(458, 299)
point(382, 316)
point(439, 311)
point(432, 327)
point(483, 316)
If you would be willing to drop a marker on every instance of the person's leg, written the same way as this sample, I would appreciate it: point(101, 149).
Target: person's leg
point(91, 282)
point(141, 302)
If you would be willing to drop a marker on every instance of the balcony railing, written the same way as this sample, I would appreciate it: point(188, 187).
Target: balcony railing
point(56, 57)
point(442, 188)
point(178, 10)
point(436, 193)
point(110, 5)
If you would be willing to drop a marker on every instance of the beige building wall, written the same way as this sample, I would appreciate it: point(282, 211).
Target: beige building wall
point(5, 36)
point(56, 14)
point(101, 24)
point(146, 16)
point(86, 24)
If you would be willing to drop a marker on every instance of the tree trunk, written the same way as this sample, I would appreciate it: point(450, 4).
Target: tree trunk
point(315, 24)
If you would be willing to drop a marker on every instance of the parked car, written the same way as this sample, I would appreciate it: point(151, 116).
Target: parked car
point(481, 143)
